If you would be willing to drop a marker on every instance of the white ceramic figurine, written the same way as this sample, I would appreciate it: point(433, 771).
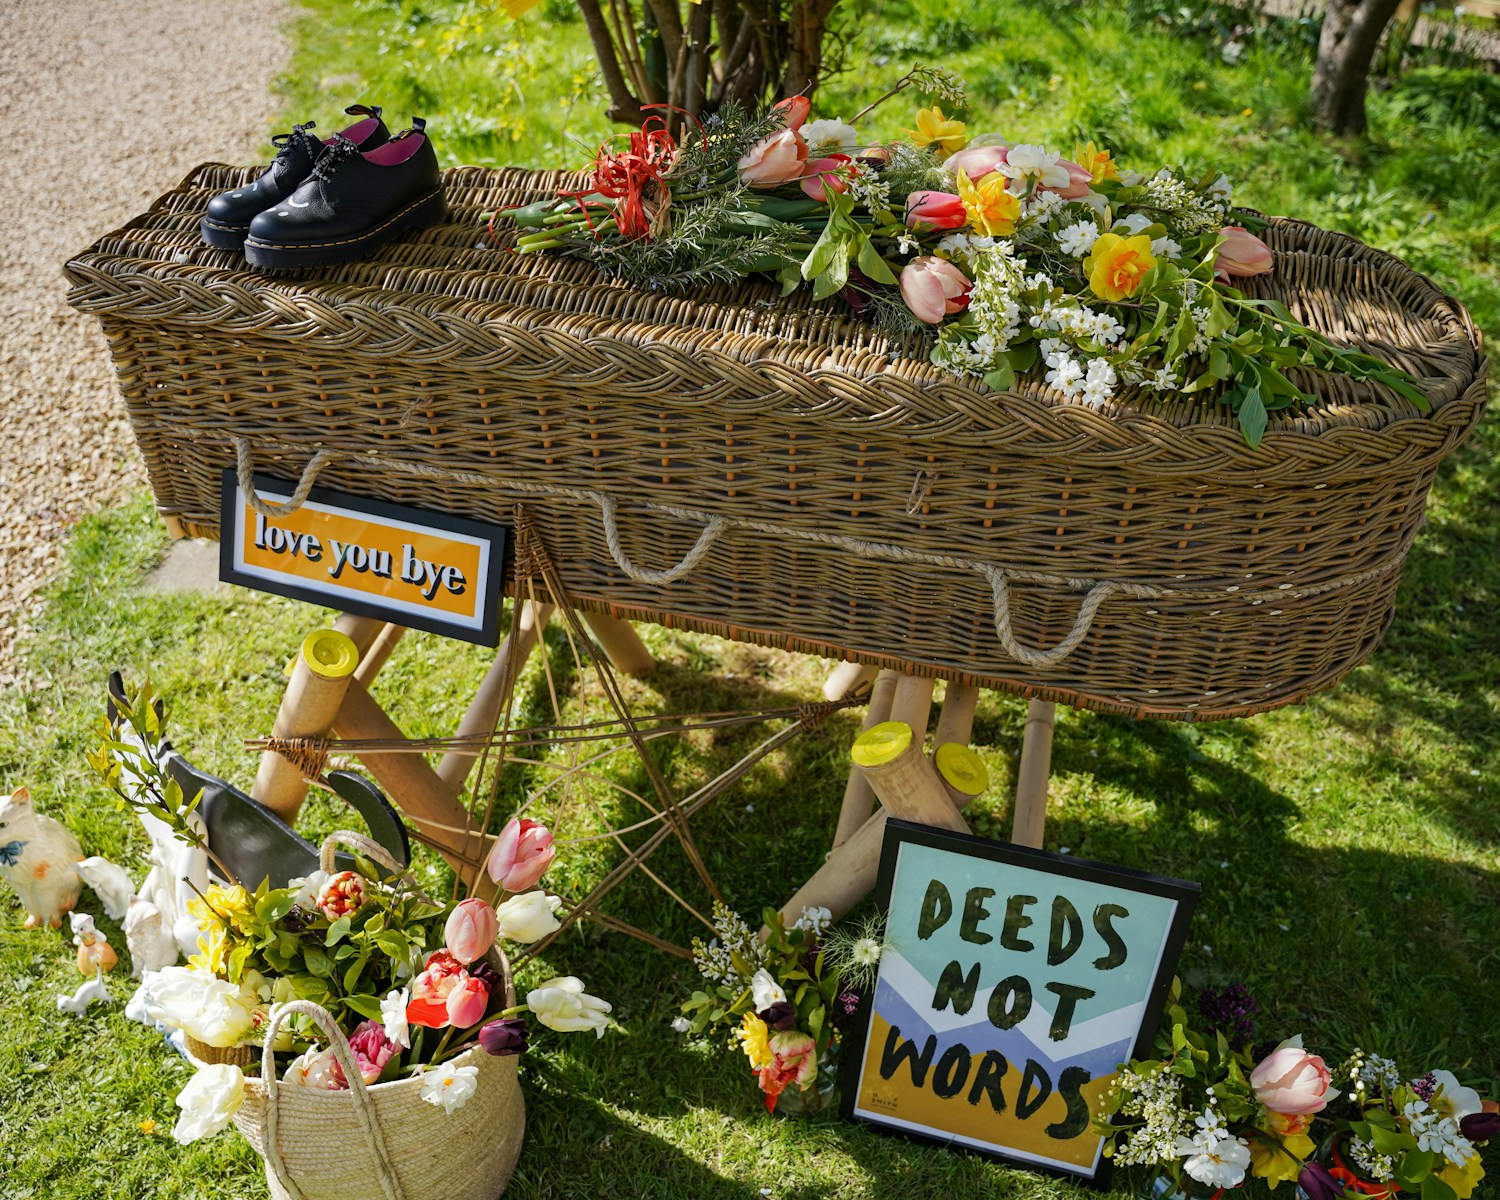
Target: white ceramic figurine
point(110, 883)
point(38, 857)
point(95, 954)
point(151, 946)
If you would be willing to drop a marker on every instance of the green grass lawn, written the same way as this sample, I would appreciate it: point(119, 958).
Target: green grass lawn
point(1348, 848)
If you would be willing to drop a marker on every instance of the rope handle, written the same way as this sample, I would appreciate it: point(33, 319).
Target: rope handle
point(607, 510)
point(359, 843)
point(364, 1109)
point(245, 469)
point(1000, 592)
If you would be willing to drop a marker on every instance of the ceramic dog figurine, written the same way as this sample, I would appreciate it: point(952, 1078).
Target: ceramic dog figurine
point(38, 857)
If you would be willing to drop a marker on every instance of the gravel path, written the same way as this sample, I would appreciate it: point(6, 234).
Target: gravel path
point(107, 104)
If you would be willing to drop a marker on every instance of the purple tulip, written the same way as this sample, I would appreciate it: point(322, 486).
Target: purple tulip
point(779, 1016)
point(486, 975)
point(504, 1036)
point(1480, 1126)
point(1318, 1182)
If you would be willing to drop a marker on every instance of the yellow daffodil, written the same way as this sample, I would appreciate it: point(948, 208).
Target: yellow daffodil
point(213, 952)
point(991, 209)
point(1116, 265)
point(220, 906)
point(1280, 1165)
point(755, 1040)
point(1463, 1180)
point(933, 127)
point(1096, 162)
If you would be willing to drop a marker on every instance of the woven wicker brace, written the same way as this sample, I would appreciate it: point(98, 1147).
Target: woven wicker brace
point(778, 471)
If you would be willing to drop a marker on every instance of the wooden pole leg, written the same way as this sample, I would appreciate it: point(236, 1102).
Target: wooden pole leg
point(483, 712)
point(859, 797)
point(1030, 818)
point(956, 720)
point(908, 786)
point(621, 644)
point(321, 675)
point(845, 677)
point(380, 649)
point(413, 786)
point(362, 631)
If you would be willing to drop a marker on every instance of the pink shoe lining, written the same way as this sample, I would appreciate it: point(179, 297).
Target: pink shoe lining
point(358, 132)
point(396, 151)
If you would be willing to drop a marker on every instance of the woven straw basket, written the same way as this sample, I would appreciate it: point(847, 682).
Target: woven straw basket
point(381, 1141)
point(778, 471)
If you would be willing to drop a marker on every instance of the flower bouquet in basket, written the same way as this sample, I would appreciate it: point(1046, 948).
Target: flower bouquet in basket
point(1104, 282)
point(368, 1022)
point(783, 999)
point(1209, 1113)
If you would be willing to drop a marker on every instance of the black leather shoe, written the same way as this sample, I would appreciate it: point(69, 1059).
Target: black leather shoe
point(352, 204)
point(229, 214)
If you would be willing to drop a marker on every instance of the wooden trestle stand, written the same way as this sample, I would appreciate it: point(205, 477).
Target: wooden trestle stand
point(329, 695)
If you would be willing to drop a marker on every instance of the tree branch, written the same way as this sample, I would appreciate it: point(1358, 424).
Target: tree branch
point(624, 105)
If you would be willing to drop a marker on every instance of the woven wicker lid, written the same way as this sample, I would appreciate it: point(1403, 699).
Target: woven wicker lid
point(456, 294)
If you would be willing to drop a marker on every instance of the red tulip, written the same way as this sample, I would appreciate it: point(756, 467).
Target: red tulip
point(521, 854)
point(827, 173)
point(794, 110)
point(935, 210)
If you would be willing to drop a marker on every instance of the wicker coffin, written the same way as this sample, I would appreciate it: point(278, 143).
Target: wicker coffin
point(778, 472)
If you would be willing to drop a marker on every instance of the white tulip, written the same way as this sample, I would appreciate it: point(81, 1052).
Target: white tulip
point(529, 916)
point(563, 1005)
point(212, 1096)
point(203, 1006)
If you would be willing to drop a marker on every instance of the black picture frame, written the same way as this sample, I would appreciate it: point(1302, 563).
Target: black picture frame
point(1184, 895)
point(498, 537)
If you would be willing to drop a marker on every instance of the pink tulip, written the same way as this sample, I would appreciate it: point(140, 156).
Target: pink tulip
point(935, 210)
point(1080, 181)
point(470, 930)
point(794, 110)
point(825, 173)
point(468, 1003)
point(774, 159)
point(1241, 253)
point(521, 854)
point(933, 289)
point(1291, 1081)
point(875, 155)
point(976, 161)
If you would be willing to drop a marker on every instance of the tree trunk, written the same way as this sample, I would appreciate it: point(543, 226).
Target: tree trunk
point(1346, 47)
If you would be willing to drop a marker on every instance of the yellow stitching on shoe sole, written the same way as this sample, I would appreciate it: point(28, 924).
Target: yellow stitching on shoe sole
point(289, 246)
point(225, 228)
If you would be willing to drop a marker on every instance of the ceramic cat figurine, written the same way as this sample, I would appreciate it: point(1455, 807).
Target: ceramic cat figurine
point(38, 857)
point(95, 954)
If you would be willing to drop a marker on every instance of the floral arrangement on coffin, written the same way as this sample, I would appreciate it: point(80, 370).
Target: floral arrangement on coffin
point(1102, 280)
point(1207, 1111)
point(783, 998)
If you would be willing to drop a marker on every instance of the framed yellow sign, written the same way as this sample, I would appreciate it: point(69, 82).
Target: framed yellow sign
point(419, 569)
point(1014, 982)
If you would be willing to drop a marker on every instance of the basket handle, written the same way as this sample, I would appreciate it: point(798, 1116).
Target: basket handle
point(245, 468)
point(358, 842)
point(710, 534)
point(369, 1121)
point(1000, 590)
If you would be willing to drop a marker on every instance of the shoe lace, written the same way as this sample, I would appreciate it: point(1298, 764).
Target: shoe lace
point(285, 141)
point(340, 151)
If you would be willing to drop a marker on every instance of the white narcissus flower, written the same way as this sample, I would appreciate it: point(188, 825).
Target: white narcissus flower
point(563, 1005)
point(528, 917)
point(681, 1024)
point(449, 1087)
point(1134, 223)
point(212, 1096)
point(314, 1068)
point(393, 1017)
point(830, 134)
point(1452, 1099)
point(765, 991)
point(1034, 161)
point(1213, 1158)
point(308, 887)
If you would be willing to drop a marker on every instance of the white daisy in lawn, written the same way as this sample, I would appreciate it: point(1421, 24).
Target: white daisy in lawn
point(449, 1087)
